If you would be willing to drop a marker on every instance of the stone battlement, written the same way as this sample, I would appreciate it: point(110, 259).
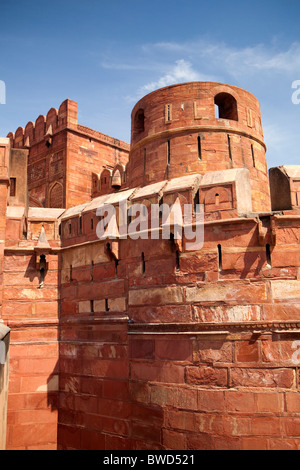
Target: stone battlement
point(143, 342)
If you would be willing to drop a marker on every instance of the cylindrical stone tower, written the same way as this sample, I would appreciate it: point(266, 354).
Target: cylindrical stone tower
point(198, 127)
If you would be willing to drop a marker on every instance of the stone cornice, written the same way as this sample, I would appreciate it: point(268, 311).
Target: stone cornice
point(223, 328)
point(199, 128)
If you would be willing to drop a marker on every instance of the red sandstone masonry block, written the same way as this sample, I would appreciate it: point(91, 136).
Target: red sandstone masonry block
point(242, 402)
point(293, 402)
point(161, 395)
point(199, 263)
point(211, 400)
point(185, 398)
point(254, 443)
point(32, 434)
point(234, 425)
point(227, 443)
point(273, 378)
point(120, 427)
point(280, 351)
point(85, 403)
point(281, 312)
point(284, 444)
point(291, 426)
point(139, 391)
point(101, 290)
point(247, 351)
point(153, 414)
point(16, 309)
point(173, 440)
point(115, 389)
point(212, 351)
point(244, 263)
point(91, 440)
point(118, 443)
point(156, 296)
point(271, 402)
point(104, 271)
point(176, 350)
point(165, 372)
point(183, 420)
point(35, 416)
point(147, 432)
point(114, 408)
point(109, 369)
point(242, 292)
point(68, 437)
point(266, 426)
point(210, 376)
point(200, 441)
point(142, 349)
point(42, 365)
point(154, 314)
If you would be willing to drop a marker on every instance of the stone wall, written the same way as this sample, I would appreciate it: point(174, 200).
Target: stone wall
point(63, 155)
point(196, 356)
point(146, 343)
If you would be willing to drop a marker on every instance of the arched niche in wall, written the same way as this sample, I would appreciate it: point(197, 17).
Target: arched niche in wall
point(56, 195)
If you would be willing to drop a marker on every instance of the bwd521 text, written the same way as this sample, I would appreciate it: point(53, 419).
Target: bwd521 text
point(170, 459)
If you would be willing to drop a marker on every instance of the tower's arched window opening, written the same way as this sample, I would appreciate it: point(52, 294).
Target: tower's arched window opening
point(139, 121)
point(226, 107)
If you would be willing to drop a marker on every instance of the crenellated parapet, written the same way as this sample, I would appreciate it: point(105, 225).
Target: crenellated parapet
point(45, 126)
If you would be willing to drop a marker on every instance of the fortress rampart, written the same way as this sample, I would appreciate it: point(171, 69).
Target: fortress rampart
point(128, 344)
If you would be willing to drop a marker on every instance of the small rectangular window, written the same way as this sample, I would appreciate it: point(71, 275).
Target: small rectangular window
point(168, 112)
point(249, 118)
point(12, 191)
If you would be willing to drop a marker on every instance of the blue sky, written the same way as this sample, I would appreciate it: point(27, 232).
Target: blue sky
point(107, 54)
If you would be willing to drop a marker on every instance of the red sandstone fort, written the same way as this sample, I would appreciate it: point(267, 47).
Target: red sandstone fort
point(143, 344)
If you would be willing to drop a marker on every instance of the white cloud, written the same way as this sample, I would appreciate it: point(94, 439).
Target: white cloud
point(266, 70)
point(182, 71)
point(235, 61)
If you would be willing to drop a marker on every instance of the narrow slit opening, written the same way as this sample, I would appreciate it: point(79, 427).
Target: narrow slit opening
point(199, 148)
point(177, 260)
point(143, 263)
point(252, 154)
point(229, 147)
point(92, 270)
point(268, 255)
point(220, 257)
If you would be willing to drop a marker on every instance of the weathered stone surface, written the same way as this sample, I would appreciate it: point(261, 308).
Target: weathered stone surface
point(156, 346)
